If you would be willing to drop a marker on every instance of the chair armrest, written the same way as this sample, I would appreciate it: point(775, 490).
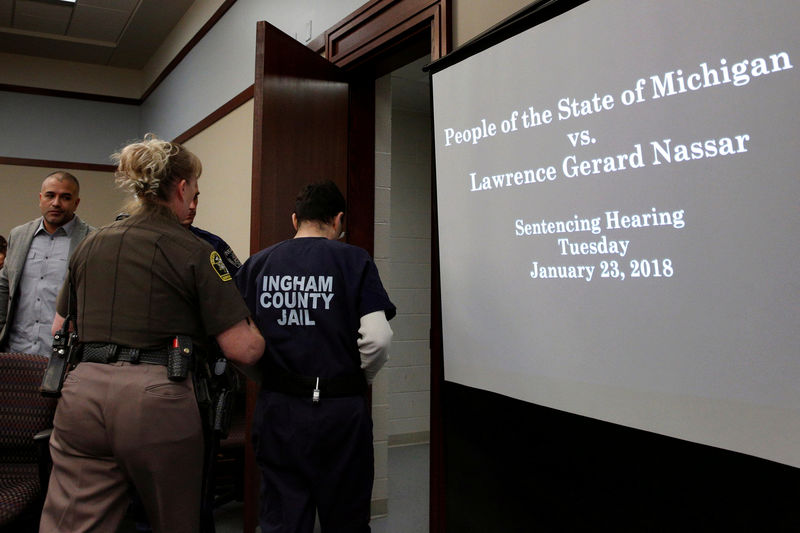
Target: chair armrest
point(43, 435)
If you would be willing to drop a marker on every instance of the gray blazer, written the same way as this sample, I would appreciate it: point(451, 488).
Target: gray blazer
point(19, 242)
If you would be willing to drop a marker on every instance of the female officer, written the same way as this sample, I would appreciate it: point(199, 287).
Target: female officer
point(138, 287)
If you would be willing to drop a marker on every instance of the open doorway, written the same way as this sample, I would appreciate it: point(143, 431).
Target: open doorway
point(402, 251)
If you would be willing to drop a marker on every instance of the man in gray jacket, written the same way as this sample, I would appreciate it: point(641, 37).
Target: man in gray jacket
point(35, 266)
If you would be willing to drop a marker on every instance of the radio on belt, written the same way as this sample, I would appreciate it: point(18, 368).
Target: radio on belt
point(180, 355)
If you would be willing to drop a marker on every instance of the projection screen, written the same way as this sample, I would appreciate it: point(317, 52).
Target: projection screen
point(618, 218)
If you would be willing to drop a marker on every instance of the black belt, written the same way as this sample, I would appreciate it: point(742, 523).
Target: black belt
point(279, 380)
point(92, 352)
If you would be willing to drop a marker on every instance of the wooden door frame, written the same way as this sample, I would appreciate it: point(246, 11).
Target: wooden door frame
point(371, 33)
point(381, 24)
point(357, 44)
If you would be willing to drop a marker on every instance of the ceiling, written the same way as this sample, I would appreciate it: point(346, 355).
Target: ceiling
point(117, 33)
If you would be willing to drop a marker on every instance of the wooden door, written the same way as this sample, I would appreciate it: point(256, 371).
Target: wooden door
point(300, 135)
point(300, 130)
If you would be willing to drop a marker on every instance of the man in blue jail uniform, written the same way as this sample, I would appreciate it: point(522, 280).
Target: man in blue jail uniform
point(324, 314)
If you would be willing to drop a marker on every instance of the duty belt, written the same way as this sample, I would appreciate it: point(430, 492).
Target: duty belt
point(92, 352)
point(280, 380)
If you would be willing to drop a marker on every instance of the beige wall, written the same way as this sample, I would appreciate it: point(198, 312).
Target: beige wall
point(19, 195)
point(226, 150)
point(41, 72)
point(472, 17)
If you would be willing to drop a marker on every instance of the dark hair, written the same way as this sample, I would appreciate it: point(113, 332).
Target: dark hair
point(3, 245)
point(320, 202)
point(62, 175)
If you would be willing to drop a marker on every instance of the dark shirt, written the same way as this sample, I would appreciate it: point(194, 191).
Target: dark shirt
point(143, 280)
point(307, 297)
point(225, 251)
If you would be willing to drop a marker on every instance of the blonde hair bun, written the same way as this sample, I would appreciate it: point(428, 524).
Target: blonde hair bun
point(150, 168)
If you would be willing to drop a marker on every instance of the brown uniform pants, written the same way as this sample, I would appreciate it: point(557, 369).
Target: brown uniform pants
point(121, 424)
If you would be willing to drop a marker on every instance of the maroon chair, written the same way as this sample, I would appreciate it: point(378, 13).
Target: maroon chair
point(24, 461)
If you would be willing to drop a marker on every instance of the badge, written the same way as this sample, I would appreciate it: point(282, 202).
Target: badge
point(219, 267)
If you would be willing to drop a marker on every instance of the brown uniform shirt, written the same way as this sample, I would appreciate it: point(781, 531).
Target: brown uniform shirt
point(143, 280)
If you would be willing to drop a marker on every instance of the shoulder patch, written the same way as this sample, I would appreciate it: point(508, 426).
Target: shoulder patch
point(232, 259)
point(219, 266)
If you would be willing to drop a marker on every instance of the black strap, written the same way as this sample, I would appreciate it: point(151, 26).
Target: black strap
point(104, 353)
point(71, 317)
point(281, 380)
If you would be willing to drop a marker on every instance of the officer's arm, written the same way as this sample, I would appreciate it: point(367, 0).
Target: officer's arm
point(62, 301)
point(58, 322)
point(3, 296)
point(375, 335)
point(242, 342)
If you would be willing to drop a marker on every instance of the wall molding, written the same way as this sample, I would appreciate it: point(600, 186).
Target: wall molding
point(409, 439)
point(40, 91)
point(379, 24)
point(70, 165)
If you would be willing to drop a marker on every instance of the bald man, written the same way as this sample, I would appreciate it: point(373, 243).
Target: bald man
point(35, 266)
